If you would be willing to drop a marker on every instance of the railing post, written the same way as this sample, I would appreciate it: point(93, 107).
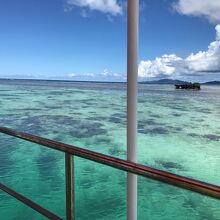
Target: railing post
point(69, 160)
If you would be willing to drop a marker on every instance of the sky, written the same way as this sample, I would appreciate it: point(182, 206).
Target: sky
point(86, 39)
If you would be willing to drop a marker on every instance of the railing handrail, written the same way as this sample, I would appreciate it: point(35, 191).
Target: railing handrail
point(138, 169)
point(29, 203)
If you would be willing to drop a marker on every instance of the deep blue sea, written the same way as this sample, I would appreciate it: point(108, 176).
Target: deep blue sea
point(178, 131)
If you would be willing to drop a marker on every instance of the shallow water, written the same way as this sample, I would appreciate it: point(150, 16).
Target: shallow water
point(178, 131)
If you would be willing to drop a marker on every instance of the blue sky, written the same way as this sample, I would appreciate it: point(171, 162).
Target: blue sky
point(86, 40)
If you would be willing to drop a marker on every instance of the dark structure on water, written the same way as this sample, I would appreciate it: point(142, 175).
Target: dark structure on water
point(195, 86)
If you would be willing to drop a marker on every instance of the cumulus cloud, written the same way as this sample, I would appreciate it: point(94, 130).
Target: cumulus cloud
point(165, 65)
point(209, 9)
point(195, 64)
point(111, 7)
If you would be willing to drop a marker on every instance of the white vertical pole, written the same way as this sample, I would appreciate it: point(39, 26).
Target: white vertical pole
point(132, 74)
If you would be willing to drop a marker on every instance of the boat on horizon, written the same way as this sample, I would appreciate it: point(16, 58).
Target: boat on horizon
point(194, 86)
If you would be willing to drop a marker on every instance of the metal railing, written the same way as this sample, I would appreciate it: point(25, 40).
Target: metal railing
point(29, 203)
point(124, 165)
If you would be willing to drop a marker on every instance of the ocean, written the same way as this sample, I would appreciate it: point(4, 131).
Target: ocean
point(178, 131)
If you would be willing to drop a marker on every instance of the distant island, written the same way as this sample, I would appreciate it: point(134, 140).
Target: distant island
point(165, 81)
point(174, 82)
point(212, 83)
point(160, 81)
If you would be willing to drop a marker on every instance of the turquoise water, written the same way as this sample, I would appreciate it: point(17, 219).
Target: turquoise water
point(178, 131)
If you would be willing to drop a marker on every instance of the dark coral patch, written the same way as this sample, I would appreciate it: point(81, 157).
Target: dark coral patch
point(67, 102)
point(177, 115)
point(47, 164)
point(7, 147)
point(98, 118)
point(115, 120)
point(119, 115)
point(60, 120)
point(180, 108)
point(212, 137)
point(141, 126)
point(142, 101)
point(116, 152)
point(150, 122)
point(174, 129)
point(32, 124)
point(195, 135)
point(103, 139)
point(170, 165)
point(88, 101)
point(56, 93)
point(32, 109)
point(87, 129)
point(155, 116)
point(154, 131)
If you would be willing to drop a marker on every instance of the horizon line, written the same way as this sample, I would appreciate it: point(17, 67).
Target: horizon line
point(97, 81)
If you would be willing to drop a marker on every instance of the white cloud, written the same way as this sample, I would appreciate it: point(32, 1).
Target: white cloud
point(71, 75)
point(106, 75)
point(199, 63)
point(164, 65)
point(209, 9)
point(111, 7)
